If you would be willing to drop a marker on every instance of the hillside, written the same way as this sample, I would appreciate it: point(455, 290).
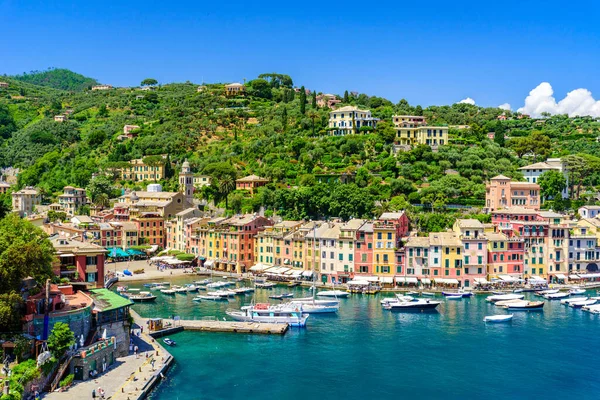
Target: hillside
point(275, 132)
point(58, 78)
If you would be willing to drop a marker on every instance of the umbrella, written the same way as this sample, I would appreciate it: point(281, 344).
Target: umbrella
point(81, 341)
point(104, 334)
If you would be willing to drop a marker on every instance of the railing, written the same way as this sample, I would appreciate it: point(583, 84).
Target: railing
point(61, 371)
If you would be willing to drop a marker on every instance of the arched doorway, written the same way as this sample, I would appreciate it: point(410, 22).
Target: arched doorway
point(592, 267)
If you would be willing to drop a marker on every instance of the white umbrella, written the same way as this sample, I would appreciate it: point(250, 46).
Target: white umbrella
point(81, 340)
point(104, 334)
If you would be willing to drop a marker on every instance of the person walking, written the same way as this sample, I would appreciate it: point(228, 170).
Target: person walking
point(93, 393)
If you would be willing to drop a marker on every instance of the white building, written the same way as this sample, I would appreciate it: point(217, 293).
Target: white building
point(348, 121)
point(589, 211)
point(533, 172)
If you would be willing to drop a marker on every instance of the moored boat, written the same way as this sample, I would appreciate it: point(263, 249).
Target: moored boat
point(414, 305)
point(503, 303)
point(294, 284)
point(501, 297)
point(594, 308)
point(498, 318)
point(168, 291)
point(211, 298)
point(556, 296)
point(265, 285)
point(169, 342)
point(264, 312)
point(547, 291)
point(577, 291)
point(525, 306)
point(461, 293)
point(456, 297)
point(203, 282)
point(573, 299)
point(428, 294)
point(142, 296)
point(310, 300)
point(333, 293)
point(580, 304)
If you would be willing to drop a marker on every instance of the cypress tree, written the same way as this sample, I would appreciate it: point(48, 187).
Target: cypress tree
point(314, 99)
point(302, 100)
point(346, 97)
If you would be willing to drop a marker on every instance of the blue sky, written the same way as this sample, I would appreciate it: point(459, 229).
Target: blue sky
point(434, 52)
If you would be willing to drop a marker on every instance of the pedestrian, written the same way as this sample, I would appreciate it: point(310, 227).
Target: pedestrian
point(135, 350)
point(141, 329)
point(93, 393)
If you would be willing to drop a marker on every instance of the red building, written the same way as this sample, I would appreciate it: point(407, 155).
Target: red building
point(363, 251)
point(79, 261)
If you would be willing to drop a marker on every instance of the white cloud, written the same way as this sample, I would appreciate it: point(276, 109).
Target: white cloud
point(577, 102)
point(504, 106)
point(468, 100)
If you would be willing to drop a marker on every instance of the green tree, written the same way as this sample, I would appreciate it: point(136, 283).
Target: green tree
point(7, 123)
point(552, 184)
point(346, 98)
point(386, 131)
point(226, 186)
point(100, 185)
point(25, 251)
point(102, 111)
point(260, 88)
point(11, 311)
point(149, 82)
point(302, 100)
point(60, 339)
point(314, 99)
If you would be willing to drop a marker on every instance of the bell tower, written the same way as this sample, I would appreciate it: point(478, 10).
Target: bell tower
point(186, 182)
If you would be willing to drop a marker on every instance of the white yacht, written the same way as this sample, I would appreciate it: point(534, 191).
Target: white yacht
point(264, 312)
point(333, 293)
point(502, 297)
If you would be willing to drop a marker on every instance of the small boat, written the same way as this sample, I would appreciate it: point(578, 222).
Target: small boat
point(317, 308)
point(503, 303)
point(168, 291)
point(545, 292)
point(457, 297)
point(142, 296)
point(179, 289)
point(169, 342)
point(429, 294)
point(281, 296)
point(203, 282)
point(525, 306)
point(577, 291)
point(594, 308)
point(411, 293)
point(294, 284)
point(190, 287)
point(264, 312)
point(413, 305)
point(573, 299)
point(556, 296)
point(159, 287)
point(211, 298)
point(499, 292)
point(518, 290)
point(462, 293)
point(197, 298)
point(310, 300)
point(580, 304)
point(501, 297)
point(498, 318)
point(266, 285)
point(221, 293)
point(333, 293)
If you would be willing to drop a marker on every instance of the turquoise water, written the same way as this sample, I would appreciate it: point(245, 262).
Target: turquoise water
point(365, 351)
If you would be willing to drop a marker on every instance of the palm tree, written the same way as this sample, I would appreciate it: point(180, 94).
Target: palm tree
point(226, 186)
point(312, 114)
point(102, 200)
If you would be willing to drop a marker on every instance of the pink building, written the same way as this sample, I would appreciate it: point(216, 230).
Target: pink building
point(505, 255)
point(400, 222)
point(501, 193)
point(363, 250)
point(475, 250)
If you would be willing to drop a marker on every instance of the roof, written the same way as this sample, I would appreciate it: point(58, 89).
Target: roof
point(367, 227)
point(152, 195)
point(63, 244)
point(105, 300)
point(417, 241)
point(591, 207)
point(83, 219)
point(500, 177)
point(493, 236)
point(27, 191)
point(550, 214)
point(241, 220)
point(234, 84)
point(391, 215)
point(515, 210)
point(469, 223)
point(513, 183)
point(186, 212)
point(544, 165)
point(4, 184)
point(126, 225)
point(444, 239)
point(348, 108)
point(252, 178)
point(353, 224)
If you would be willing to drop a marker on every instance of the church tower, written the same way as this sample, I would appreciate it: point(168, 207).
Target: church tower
point(186, 182)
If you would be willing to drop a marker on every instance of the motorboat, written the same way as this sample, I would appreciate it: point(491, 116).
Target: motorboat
point(413, 305)
point(519, 290)
point(500, 292)
point(168, 291)
point(169, 342)
point(142, 296)
point(498, 318)
point(310, 300)
point(580, 304)
point(159, 287)
point(503, 303)
point(411, 293)
point(577, 291)
point(456, 297)
point(294, 284)
point(179, 289)
point(387, 300)
point(264, 312)
point(557, 296)
point(203, 282)
point(594, 308)
point(190, 287)
point(333, 293)
point(243, 290)
point(265, 285)
point(309, 308)
point(501, 297)
point(152, 285)
point(460, 293)
point(197, 298)
point(573, 299)
point(281, 296)
point(428, 294)
point(547, 291)
point(525, 306)
point(210, 297)
point(221, 293)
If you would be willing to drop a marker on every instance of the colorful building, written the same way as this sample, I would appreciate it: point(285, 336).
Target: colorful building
point(501, 193)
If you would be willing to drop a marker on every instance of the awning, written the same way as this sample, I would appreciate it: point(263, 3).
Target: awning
point(536, 278)
point(426, 281)
point(400, 279)
point(561, 276)
point(67, 255)
point(481, 281)
point(411, 279)
point(289, 272)
point(358, 283)
point(258, 267)
point(387, 279)
point(372, 278)
point(281, 270)
point(296, 273)
point(507, 278)
point(586, 276)
point(307, 273)
point(450, 281)
point(574, 277)
point(209, 263)
point(271, 269)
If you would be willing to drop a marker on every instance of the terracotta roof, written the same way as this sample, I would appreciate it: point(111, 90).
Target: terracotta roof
point(252, 178)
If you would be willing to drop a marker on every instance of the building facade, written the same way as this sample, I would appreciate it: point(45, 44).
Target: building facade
point(349, 120)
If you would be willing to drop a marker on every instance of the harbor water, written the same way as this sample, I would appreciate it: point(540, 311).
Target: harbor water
point(365, 351)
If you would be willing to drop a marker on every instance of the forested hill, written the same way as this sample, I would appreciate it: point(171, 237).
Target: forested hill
point(279, 133)
point(58, 78)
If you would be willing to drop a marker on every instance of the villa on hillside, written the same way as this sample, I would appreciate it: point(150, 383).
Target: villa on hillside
point(412, 130)
point(234, 89)
point(250, 183)
point(4, 85)
point(102, 87)
point(501, 192)
point(348, 121)
point(533, 172)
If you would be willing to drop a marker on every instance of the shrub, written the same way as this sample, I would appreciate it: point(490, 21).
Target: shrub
point(67, 381)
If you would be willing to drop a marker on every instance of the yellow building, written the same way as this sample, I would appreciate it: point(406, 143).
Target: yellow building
point(413, 130)
point(450, 257)
point(139, 172)
point(384, 244)
point(348, 121)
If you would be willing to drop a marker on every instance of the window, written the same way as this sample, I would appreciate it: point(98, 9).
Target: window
point(479, 246)
point(466, 246)
point(479, 260)
point(341, 257)
point(350, 257)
